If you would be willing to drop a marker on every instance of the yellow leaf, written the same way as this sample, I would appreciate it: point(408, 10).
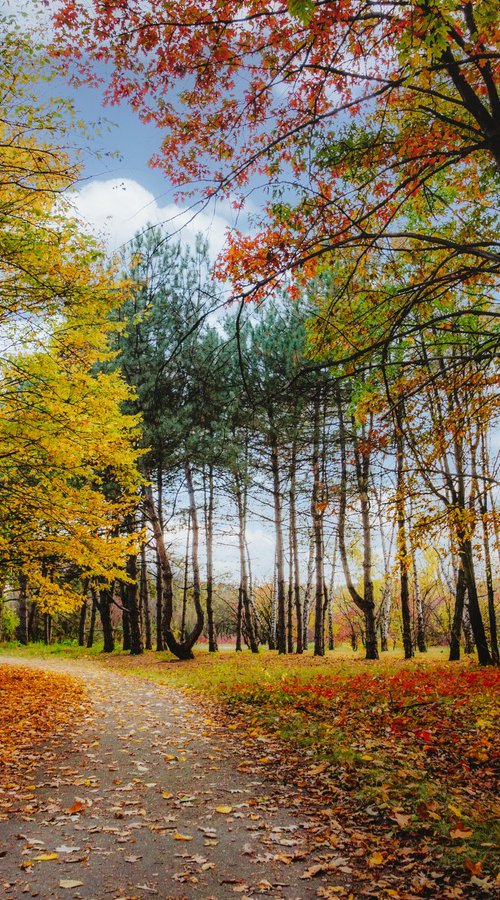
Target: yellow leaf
point(45, 857)
point(376, 859)
point(224, 809)
point(181, 837)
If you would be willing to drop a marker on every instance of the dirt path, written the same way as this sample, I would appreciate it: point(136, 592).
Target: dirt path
point(149, 800)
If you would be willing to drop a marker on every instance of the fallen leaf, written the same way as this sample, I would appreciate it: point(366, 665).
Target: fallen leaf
point(403, 821)
point(322, 868)
point(225, 810)
point(376, 859)
point(76, 808)
point(474, 867)
point(319, 769)
point(460, 833)
point(182, 837)
point(70, 883)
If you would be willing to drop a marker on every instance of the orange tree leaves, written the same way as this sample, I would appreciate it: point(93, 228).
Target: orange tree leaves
point(349, 114)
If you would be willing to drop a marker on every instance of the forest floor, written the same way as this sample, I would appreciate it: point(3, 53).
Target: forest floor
point(130, 778)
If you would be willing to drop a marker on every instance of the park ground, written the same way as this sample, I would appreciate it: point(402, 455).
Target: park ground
point(294, 777)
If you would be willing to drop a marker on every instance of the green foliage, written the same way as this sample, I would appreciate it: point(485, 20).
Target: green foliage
point(9, 621)
point(301, 10)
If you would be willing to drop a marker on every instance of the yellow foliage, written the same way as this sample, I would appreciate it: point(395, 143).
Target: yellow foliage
point(68, 457)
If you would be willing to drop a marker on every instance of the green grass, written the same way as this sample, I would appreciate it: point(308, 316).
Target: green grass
point(40, 650)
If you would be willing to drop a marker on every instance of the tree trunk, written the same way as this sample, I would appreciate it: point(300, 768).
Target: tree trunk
point(125, 616)
point(385, 612)
point(294, 551)
point(331, 589)
point(421, 642)
point(209, 533)
point(483, 507)
point(290, 595)
point(185, 583)
point(22, 628)
point(160, 627)
point(278, 525)
point(81, 623)
point(256, 619)
point(136, 645)
point(239, 621)
point(317, 524)
point(47, 628)
point(105, 596)
point(308, 590)
point(194, 554)
point(33, 621)
point(144, 599)
point(467, 632)
point(180, 649)
point(476, 620)
point(401, 539)
point(274, 609)
point(364, 603)
point(243, 591)
point(93, 613)
point(456, 627)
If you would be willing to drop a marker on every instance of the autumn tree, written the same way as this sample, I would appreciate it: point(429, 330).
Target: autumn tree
point(349, 116)
point(63, 438)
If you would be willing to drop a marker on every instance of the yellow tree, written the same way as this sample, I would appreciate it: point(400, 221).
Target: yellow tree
point(68, 463)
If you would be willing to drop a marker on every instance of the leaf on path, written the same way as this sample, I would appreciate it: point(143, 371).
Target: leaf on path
point(224, 810)
point(460, 833)
point(324, 867)
point(69, 883)
point(177, 836)
point(76, 808)
point(46, 857)
point(185, 877)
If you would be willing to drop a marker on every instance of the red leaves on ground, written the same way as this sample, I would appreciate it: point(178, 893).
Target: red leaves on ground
point(415, 746)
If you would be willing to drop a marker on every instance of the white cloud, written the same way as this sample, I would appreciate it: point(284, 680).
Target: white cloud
point(117, 208)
